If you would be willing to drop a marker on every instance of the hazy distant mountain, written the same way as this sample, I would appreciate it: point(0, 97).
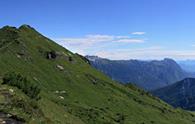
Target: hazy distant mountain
point(187, 65)
point(180, 94)
point(146, 74)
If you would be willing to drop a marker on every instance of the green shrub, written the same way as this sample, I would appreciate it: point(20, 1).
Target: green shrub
point(17, 80)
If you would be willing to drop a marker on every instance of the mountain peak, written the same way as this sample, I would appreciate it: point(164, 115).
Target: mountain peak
point(169, 60)
point(25, 26)
point(8, 28)
point(12, 28)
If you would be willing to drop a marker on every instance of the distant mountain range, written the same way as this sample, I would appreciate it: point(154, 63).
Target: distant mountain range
point(180, 94)
point(187, 65)
point(145, 74)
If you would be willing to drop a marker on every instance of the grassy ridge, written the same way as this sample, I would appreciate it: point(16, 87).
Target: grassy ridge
point(72, 92)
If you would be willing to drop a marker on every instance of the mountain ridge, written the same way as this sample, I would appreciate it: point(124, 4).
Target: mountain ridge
point(146, 74)
point(180, 94)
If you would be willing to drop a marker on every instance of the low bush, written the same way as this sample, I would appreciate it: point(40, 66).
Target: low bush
point(17, 80)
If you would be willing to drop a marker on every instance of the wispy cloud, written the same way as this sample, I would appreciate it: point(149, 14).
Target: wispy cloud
point(138, 33)
point(131, 40)
point(94, 41)
point(155, 52)
point(102, 45)
point(97, 38)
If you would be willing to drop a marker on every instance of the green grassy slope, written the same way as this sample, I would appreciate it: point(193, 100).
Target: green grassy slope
point(72, 92)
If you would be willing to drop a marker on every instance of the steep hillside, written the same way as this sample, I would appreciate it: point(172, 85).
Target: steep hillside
point(146, 74)
point(180, 94)
point(43, 83)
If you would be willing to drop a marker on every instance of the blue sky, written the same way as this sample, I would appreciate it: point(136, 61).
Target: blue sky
point(115, 29)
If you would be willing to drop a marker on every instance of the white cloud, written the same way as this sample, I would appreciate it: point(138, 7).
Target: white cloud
point(122, 37)
point(97, 38)
point(83, 44)
point(155, 52)
point(138, 33)
point(101, 45)
point(131, 40)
